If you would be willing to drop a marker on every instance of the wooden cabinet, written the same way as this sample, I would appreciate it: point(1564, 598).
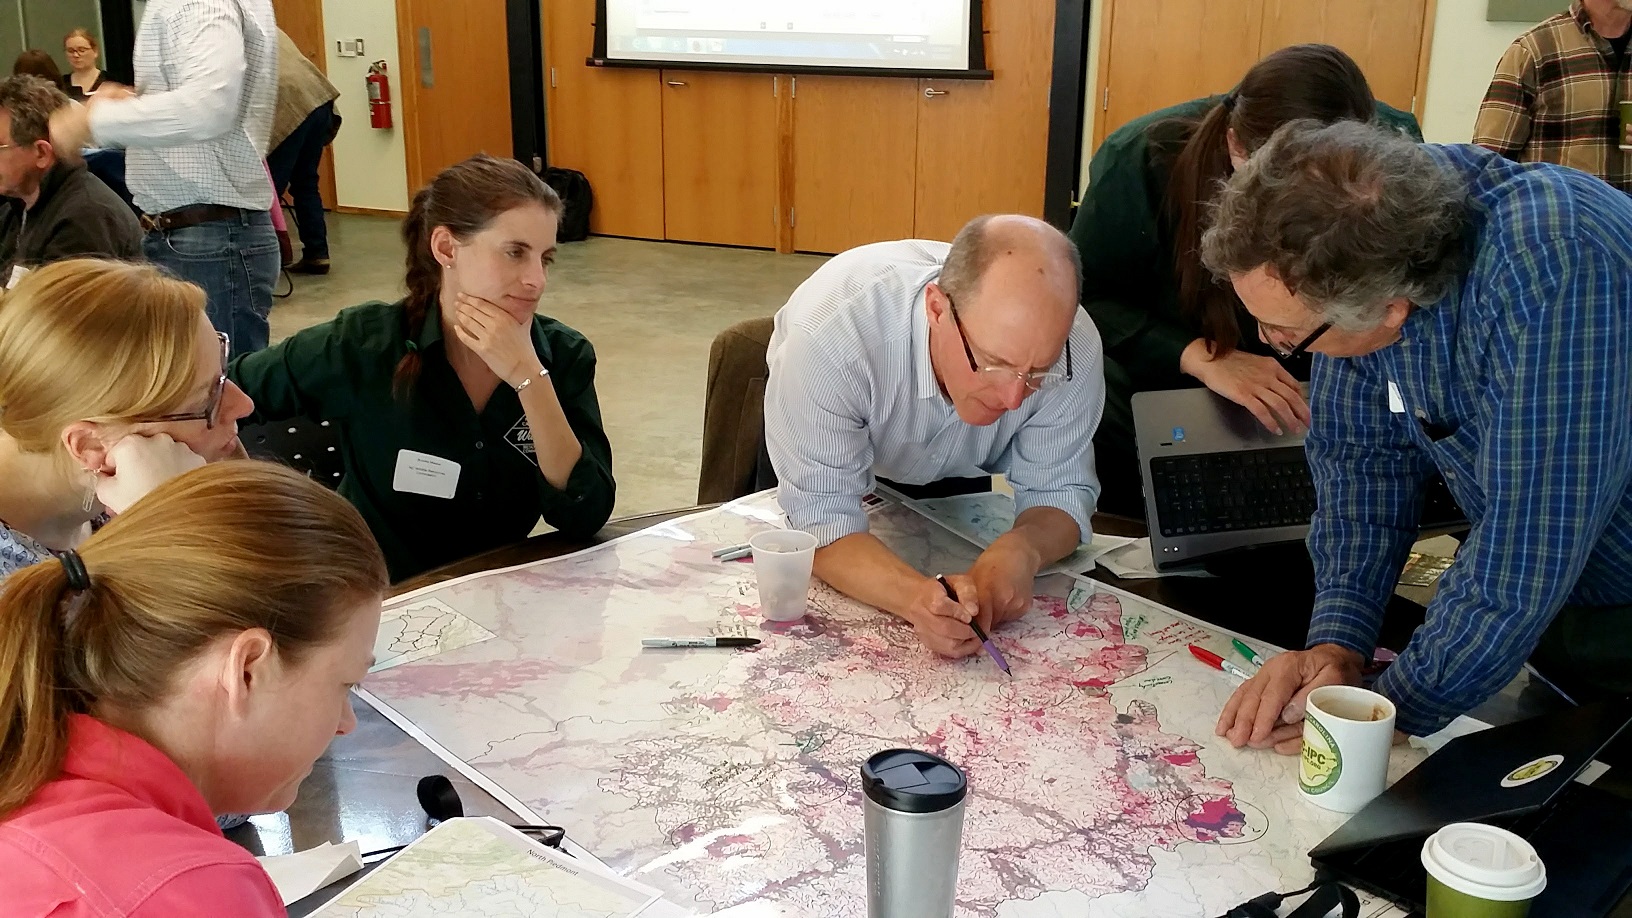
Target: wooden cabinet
point(1383, 36)
point(1158, 53)
point(456, 91)
point(1163, 52)
point(855, 161)
point(606, 123)
point(719, 158)
point(807, 163)
point(983, 145)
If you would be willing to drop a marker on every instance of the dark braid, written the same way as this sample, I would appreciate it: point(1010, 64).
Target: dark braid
point(465, 198)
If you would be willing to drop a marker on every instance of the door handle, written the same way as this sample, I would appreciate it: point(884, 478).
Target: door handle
point(427, 72)
point(931, 92)
point(677, 82)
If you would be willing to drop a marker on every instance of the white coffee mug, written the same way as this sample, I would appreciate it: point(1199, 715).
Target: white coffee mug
point(1347, 733)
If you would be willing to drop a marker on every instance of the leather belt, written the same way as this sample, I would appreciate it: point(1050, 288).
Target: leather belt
point(183, 217)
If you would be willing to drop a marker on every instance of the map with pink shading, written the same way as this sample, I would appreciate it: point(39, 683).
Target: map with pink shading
point(726, 777)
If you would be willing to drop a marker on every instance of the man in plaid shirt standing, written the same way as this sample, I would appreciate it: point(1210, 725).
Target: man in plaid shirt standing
point(1557, 92)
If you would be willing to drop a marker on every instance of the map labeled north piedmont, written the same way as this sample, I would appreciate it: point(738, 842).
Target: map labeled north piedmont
point(723, 777)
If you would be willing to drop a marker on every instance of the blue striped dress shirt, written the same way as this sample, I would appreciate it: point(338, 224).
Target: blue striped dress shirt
point(852, 395)
point(1518, 388)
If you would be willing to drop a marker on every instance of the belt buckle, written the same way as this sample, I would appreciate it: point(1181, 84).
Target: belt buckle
point(153, 224)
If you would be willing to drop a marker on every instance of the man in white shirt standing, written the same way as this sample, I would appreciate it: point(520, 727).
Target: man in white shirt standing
point(196, 130)
point(918, 361)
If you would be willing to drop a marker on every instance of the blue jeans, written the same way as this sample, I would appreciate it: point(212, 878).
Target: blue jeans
point(236, 262)
point(294, 169)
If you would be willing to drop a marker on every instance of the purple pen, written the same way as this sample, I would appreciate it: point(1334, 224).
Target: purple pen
point(985, 640)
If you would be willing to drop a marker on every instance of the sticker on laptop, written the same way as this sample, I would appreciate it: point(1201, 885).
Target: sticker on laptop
point(1178, 435)
point(1532, 771)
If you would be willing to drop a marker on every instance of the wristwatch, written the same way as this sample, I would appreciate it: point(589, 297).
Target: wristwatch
point(542, 372)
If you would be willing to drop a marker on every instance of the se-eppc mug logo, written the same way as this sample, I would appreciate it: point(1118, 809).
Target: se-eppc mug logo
point(1322, 761)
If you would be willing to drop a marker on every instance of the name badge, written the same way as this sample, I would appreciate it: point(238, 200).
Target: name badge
point(17, 273)
point(1396, 403)
point(422, 473)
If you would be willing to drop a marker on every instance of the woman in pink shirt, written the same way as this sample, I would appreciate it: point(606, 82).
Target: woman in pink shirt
point(193, 657)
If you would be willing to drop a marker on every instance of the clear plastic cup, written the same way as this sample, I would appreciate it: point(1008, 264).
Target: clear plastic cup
point(782, 562)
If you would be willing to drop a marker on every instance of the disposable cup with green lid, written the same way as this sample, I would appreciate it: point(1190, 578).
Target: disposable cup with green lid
point(1480, 871)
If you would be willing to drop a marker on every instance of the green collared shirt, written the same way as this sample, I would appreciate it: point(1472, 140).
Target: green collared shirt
point(1124, 230)
point(342, 372)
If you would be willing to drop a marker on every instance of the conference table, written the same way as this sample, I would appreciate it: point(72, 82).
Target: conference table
point(363, 788)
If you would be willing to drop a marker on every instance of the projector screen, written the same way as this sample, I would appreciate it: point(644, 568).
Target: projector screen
point(906, 36)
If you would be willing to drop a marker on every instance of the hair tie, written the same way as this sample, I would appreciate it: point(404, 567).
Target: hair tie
point(413, 346)
point(1229, 101)
point(79, 579)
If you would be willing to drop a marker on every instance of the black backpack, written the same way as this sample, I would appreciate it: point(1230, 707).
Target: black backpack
point(578, 198)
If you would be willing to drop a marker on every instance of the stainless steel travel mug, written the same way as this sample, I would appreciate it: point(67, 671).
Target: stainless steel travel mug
point(914, 825)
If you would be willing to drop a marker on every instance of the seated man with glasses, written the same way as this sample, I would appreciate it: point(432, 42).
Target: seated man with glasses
point(1471, 317)
point(51, 209)
point(918, 361)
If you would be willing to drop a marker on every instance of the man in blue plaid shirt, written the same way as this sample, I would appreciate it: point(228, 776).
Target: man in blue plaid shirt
point(1472, 316)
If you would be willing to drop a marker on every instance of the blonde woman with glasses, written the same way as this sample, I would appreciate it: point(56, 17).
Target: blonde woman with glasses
point(84, 77)
point(112, 381)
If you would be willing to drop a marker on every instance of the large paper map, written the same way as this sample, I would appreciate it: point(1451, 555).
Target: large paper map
point(725, 777)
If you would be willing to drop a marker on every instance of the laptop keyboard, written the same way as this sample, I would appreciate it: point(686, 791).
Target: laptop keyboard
point(1230, 492)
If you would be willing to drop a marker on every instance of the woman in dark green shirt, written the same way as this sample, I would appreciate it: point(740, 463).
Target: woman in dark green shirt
point(1165, 322)
point(463, 415)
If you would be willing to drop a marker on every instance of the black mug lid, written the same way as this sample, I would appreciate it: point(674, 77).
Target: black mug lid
point(909, 781)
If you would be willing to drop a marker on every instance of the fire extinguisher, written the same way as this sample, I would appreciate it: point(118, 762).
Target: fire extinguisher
point(379, 95)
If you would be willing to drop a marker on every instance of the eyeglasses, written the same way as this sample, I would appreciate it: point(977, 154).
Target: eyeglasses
point(1035, 382)
point(208, 414)
point(1287, 353)
point(78, 51)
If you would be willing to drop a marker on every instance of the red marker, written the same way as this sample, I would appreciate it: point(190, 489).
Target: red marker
point(1217, 662)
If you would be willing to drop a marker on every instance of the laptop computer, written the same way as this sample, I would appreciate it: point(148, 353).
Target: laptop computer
point(1217, 481)
point(1520, 777)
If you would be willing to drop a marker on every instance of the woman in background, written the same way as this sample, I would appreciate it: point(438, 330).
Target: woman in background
point(111, 381)
point(35, 62)
point(193, 657)
point(83, 53)
point(1166, 322)
point(464, 416)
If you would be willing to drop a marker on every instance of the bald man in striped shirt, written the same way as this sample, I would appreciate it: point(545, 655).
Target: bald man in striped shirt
point(918, 361)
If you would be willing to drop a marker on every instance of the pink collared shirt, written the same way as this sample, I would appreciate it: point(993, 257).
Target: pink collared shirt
point(122, 832)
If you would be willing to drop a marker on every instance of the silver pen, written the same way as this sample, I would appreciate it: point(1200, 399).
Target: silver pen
point(672, 643)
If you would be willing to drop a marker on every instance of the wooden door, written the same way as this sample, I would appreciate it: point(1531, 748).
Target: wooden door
point(1163, 52)
point(302, 21)
point(720, 158)
point(855, 161)
point(983, 145)
point(1383, 36)
point(456, 84)
point(607, 123)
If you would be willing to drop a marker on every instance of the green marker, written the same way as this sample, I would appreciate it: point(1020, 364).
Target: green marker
point(1248, 652)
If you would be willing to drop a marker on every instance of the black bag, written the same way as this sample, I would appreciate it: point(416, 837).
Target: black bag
point(578, 198)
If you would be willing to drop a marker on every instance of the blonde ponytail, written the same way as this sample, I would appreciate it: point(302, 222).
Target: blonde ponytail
point(222, 549)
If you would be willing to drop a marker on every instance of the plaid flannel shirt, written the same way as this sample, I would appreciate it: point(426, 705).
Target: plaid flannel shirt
point(1556, 99)
point(1517, 387)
